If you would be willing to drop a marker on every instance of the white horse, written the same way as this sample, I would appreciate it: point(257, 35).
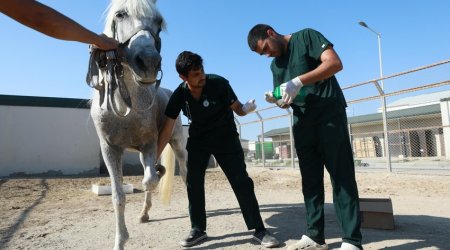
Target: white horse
point(128, 106)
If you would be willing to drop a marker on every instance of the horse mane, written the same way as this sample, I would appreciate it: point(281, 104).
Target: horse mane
point(138, 8)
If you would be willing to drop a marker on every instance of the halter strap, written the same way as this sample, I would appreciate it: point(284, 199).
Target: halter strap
point(109, 62)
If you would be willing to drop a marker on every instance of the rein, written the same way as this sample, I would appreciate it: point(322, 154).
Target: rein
point(109, 63)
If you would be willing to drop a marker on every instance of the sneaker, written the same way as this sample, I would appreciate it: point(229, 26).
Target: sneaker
point(348, 246)
point(265, 239)
point(306, 243)
point(194, 237)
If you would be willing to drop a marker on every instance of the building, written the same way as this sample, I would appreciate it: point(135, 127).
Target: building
point(46, 135)
point(56, 136)
point(418, 126)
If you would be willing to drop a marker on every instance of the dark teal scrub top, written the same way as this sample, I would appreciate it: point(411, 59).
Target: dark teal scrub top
point(322, 99)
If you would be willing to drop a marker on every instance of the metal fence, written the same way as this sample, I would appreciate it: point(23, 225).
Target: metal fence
point(408, 127)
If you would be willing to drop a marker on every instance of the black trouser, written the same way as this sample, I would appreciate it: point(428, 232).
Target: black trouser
point(328, 143)
point(231, 159)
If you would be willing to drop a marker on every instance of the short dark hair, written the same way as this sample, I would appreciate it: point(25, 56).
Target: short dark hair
point(187, 61)
point(258, 32)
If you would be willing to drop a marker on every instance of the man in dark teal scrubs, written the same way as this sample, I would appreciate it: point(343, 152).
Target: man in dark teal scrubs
point(303, 69)
point(208, 101)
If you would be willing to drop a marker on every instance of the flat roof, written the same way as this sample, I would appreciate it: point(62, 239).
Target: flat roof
point(418, 111)
point(37, 101)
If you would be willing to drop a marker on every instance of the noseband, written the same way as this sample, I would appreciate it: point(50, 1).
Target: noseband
point(134, 32)
point(110, 62)
point(126, 41)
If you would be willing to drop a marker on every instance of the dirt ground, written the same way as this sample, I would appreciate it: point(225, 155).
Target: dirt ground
point(62, 213)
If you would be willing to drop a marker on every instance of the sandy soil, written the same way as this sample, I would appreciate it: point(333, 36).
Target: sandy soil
point(62, 213)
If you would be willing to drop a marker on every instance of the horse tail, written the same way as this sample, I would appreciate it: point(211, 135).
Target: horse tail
point(166, 182)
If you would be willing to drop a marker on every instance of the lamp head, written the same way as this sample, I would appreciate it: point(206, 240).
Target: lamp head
point(363, 24)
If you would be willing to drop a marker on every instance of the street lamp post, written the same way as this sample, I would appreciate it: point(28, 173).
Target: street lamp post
point(383, 99)
point(379, 50)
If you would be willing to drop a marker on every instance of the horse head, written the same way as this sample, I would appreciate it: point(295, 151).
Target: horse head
point(137, 62)
point(136, 25)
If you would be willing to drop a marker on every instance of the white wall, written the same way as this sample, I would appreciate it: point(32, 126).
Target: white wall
point(39, 139)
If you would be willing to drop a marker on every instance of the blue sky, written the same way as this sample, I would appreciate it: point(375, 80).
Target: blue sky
point(414, 33)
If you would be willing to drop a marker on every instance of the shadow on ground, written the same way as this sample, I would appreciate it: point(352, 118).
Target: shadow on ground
point(288, 223)
point(7, 234)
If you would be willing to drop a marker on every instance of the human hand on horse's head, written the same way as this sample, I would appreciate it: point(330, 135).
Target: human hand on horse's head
point(106, 43)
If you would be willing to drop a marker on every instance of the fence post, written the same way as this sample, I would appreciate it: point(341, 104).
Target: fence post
point(386, 136)
point(263, 157)
point(385, 128)
point(445, 116)
point(350, 137)
point(291, 135)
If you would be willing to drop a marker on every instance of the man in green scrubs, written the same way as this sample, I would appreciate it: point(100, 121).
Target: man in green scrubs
point(304, 66)
point(208, 101)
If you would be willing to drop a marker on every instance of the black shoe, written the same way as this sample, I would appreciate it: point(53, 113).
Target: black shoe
point(194, 237)
point(265, 239)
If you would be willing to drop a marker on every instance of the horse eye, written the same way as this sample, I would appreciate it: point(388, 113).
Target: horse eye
point(121, 14)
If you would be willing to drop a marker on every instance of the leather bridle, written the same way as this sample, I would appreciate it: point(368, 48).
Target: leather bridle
point(110, 62)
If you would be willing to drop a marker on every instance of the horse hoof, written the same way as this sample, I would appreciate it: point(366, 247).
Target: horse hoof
point(144, 218)
point(160, 170)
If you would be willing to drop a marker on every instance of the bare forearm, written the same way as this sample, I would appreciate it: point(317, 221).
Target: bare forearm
point(50, 22)
point(239, 111)
point(164, 136)
point(331, 64)
point(320, 73)
point(237, 108)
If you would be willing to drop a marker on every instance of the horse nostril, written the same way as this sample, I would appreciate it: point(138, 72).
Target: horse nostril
point(147, 63)
point(140, 63)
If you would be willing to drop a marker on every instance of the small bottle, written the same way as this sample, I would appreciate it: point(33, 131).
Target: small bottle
point(278, 92)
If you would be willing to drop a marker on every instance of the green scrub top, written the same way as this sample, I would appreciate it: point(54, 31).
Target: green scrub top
point(321, 99)
point(211, 117)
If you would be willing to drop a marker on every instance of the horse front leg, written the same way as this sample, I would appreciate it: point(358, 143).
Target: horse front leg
point(150, 180)
point(113, 160)
point(143, 217)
